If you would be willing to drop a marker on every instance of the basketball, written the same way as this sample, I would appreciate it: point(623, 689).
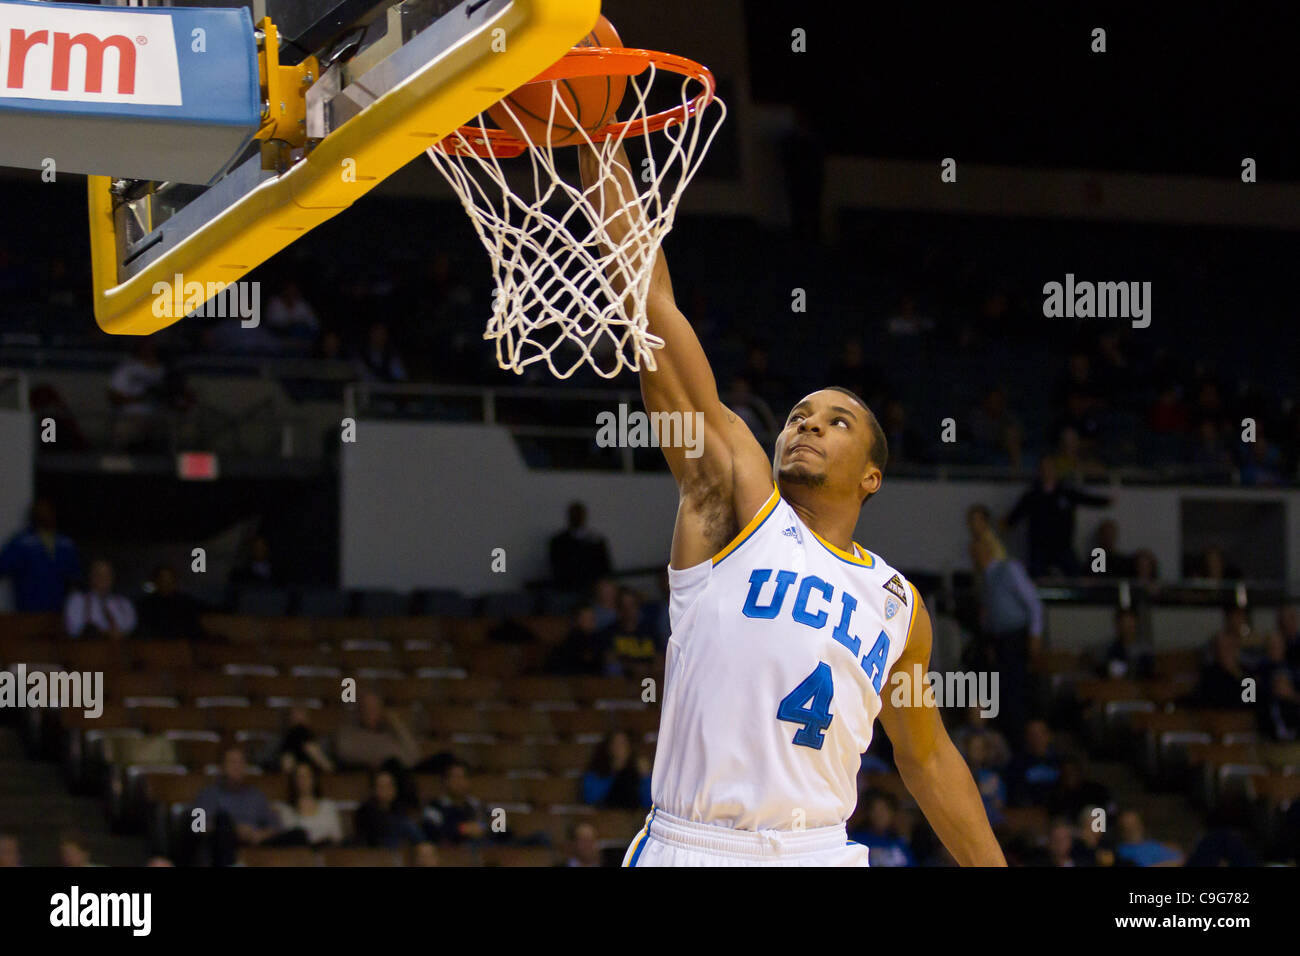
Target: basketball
point(591, 101)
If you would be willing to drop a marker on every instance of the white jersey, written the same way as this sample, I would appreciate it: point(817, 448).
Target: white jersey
point(780, 651)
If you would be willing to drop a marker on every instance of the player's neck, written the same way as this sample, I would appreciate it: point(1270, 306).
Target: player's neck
point(831, 521)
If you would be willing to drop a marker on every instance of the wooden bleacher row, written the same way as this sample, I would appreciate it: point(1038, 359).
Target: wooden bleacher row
point(493, 789)
point(438, 721)
point(460, 856)
point(248, 629)
point(326, 690)
point(1215, 755)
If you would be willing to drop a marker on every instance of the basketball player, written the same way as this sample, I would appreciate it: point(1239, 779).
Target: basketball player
point(784, 630)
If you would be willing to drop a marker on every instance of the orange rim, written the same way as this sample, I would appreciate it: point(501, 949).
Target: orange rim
point(597, 61)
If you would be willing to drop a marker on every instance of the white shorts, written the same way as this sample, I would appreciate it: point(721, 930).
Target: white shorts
point(666, 840)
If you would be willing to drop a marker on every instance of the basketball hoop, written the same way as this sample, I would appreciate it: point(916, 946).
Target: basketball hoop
point(568, 293)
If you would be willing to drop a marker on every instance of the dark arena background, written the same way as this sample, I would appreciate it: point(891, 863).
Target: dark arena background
point(373, 601)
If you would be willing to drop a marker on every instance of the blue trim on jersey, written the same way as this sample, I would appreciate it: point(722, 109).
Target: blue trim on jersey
point(644, 840)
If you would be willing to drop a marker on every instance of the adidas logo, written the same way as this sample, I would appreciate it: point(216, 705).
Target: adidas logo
point(791, 532)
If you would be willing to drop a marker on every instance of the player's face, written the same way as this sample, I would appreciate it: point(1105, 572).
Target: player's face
point(825, 444)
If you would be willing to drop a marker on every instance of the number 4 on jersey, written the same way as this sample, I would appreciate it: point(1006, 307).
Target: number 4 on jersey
point(809, 704)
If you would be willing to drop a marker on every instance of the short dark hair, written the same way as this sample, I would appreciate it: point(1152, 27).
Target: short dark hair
point(879, 454)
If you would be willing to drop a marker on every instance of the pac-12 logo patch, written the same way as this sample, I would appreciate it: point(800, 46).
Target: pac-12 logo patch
point(891, 608)
point(895, 586)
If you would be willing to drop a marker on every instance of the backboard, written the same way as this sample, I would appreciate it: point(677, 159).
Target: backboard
point(351, 91)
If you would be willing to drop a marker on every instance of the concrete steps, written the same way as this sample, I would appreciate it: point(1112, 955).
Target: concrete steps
point(36, 806)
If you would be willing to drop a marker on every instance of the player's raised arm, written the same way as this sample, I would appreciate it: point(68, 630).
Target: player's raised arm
point(935, 773)
point(731, 463)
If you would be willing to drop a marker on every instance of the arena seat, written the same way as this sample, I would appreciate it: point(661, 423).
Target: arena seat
point(585, 724)
point(520, 723)
point(545, 792)
point(520, 856)
point(510, 758)
point(539, 691)
point(278, 856)
point(236, 628)
point(402, 629)
point(566, 759)
point(345, 787)
point(207, 684)
point(469, 690)
point(361, 856)
point(457, 722)
point(262, 601)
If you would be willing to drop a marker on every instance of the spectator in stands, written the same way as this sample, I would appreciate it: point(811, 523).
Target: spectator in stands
point(385, 820)
point(618, 775)
point(289, 316)
point(1093, 844)
point(1222, 845)
point(585, 650)
point(1074, 791)
point(1127, 656)
point(631, 648)
point(237, 812)
point(752, 410)
point(1060, 843)
point(302, 745)
point(1074, 460)
point(905, 443)
point(1146, 569)
point(998, 753)
point(992, 790)
point(256, 569)
point(97, 611)
point(584, 847)
point(1011, 616)
point(313, 820)
point(165, 611)
point(997, 434)
point(886, 845)
point(1212, 566)
point(1209, 450)
point(1288, 627)
point(137, 392)
point(604, 601)
point(761, 376)
point(378, 736)
point(657, 621)
point(852, 371)
point(979, 520)
point(908, 321)
point(1033, 774)
point(424, 853)
point(379, 360)
point(1262, 465)
point(1049, 506)
point(73, 850)
point(579, 555)
point(1222, 676)
point(1136, 849)
point(1118, 564)
point(456, 815)
point(1168, 414)
point(10, 852)
point(42, 563)
point(1279, 701)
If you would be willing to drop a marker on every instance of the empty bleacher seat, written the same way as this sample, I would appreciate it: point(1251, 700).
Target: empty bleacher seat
point(262, 601)
point(381, 604)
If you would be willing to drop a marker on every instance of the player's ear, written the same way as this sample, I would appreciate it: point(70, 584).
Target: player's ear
point(872, 479)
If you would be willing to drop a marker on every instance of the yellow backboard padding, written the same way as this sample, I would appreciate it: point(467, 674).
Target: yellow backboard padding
point(378, 141)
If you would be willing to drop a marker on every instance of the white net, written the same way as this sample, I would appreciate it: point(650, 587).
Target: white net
point(568, 293)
